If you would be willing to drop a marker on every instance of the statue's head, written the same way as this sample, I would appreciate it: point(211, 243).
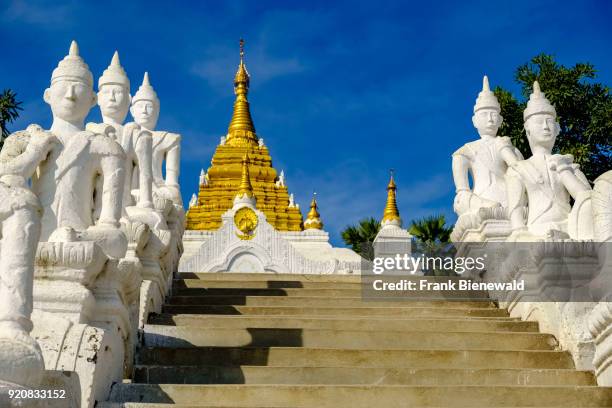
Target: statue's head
point(540, 119)
point(114, 91)
point(145, 105)
point(71, 94)
point(487, 118)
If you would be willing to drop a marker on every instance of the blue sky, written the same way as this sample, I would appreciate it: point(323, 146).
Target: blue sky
point(340, 91)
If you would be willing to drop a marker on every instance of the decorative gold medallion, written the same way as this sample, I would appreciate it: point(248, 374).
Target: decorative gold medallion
point(246, 221)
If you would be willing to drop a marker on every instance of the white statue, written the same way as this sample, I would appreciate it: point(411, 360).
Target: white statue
point(486, 159)
point(291, 201)
point(166, 145)
point(203, 178)
point(21, 360)
point(114, 101)
point(281, 179)
point(260, 143)
point(222, 140)
point(549, 180)
point(83, 167)
point(194, 200)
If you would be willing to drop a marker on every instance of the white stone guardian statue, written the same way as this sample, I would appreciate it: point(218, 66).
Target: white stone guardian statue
point(84, 167)
point(21, 360)
point(548, 179)
point(166, 145)
point(486, 159)
point(114, 100)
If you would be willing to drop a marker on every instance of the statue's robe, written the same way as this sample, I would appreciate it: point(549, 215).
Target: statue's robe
point(66, 182)
point(164, 144)
point(488, 169)
point(548, 199)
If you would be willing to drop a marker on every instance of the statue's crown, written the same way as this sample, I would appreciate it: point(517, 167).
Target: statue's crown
point(486, 99)
point(538, 103)
point(145, 91)
point(114, 74)
point(72, 67)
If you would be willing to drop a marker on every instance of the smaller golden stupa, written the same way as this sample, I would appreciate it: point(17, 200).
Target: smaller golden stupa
point(391, 213)
point(223, 180)
point(313, 220)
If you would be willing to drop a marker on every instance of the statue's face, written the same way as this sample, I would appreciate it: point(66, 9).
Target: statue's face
point(114, 101)
point(145, 113)
point(542, 130)
point(487, 121)
point(70, 100)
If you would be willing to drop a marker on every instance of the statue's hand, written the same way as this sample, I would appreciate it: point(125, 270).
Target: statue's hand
point(561, 162)
point(43, 140)
point(501, 142)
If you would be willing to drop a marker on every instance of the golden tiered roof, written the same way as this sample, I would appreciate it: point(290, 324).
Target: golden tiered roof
point(224, 179)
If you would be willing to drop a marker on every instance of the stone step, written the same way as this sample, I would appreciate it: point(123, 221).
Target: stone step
point(357, 375)
point(253, 277)
point(317, 301)
point(180, 288)
point(389, 396)
point(260, 284)
point(194, 336)
point(334, 357)
point(407, 311)
point(345, 323)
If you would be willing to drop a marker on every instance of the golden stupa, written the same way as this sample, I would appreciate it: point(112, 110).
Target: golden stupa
point(223, 180)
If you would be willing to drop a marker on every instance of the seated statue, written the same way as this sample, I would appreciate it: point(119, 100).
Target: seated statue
point(548, 179)
point(20, 214)
point(486, 159)
point(114, 101)
point(81, 169)
point(166, 145)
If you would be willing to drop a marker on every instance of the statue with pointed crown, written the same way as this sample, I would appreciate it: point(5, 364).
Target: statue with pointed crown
point(114, 100)
point(486, 159)
point(166, 145)
point(549, 181)
point(81, 168)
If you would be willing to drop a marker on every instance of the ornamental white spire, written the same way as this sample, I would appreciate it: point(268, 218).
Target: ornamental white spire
point(486, 99)
point(114, 74)
point(73, 67)
point(538, 103)
point(146, 91)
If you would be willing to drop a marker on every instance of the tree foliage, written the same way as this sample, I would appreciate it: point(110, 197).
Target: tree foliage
point(9, 110)
point(584, 110)
point(361, 236)
point(431, 229)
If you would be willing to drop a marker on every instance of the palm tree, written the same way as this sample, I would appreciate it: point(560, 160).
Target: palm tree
point(361, 236)
point(9, 110)
point(432, 238)
point(431, 229)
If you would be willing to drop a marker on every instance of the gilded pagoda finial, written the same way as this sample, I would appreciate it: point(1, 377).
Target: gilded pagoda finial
point(313, 220)
point(391, 213)
point(241, 131)
point(245, 188)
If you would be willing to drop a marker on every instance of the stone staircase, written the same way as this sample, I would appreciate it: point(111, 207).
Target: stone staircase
point(260, 340)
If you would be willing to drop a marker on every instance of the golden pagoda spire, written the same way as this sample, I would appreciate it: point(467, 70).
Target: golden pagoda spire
point(391, 213)
point(245, 188)
point(313, 220)
point(241, 131)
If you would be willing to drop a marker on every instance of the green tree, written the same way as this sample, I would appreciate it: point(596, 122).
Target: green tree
point(584, 110)
point(361, 236)
point(432, 238)
point(9, 110)
point(431, 229)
